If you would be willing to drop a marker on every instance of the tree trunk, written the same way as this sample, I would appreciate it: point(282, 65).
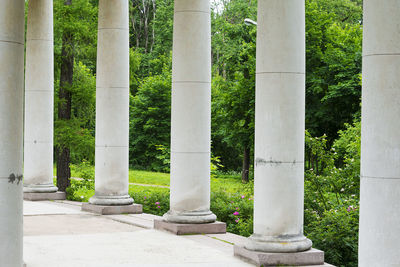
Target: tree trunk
point(246, 165)
point(64, 106)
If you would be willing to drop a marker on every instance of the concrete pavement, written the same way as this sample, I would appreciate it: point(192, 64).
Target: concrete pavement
point(59, 234)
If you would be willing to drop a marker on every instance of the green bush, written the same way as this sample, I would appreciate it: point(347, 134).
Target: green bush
point(155, 200)
point(335, 232)
point(81, 188)
point(150, 123)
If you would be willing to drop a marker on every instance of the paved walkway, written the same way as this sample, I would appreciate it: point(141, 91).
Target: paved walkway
point(59, 234)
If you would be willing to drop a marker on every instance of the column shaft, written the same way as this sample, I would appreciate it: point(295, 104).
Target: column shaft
point(112, 105)
point(380, 140)
point(279, 129)
point(11, 127)
point(191, 114)
point(39, 98)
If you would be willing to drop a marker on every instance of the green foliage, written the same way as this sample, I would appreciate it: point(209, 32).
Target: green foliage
point(150, 123)
point(155, 200)
point(134, 65)
point(235, 209)
point(333, 63)
point(78, 133)
point(82, 187)
point(80, 19)
point(332, 195)
point(335, 232)
point(233, 85)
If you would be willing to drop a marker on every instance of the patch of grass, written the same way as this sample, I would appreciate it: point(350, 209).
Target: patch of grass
point(146, 177)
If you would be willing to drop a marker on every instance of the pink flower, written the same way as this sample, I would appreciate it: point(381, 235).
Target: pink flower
point(158, 207)
point(157, 203)
point(243, 196)
point(349, 208)
point(237, 220)
point(249, 198)
point(236, 213)
point(237, 208)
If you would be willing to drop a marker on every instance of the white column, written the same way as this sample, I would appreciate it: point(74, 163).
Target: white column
point(279, 129)
point(39, 99)
point(112, 105)
point(11, 127)
point(191, 114)
point(379, 236)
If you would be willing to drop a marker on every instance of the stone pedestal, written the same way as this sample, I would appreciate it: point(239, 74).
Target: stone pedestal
point(12, 20)
point(39, 99)
point(111, 210)
point(44, 196)
point(305, 258)
point(191, 114)
point(112, 106)
point(279, 128)
point(379, 233)
point(190, 228)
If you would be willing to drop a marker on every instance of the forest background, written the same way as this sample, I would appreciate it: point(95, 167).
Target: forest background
point(333, 91)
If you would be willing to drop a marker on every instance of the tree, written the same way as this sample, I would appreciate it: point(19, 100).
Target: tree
point(333, 61)
point(74, 26)
point(150, 121)
point(234, 82)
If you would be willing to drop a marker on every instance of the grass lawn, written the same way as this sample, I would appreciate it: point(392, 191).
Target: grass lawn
point(146, 177)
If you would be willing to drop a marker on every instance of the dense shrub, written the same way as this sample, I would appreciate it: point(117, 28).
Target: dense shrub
point(155, 200)
point(150, 124)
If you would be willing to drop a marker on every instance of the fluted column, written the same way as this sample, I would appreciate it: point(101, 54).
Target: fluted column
point(39, 99)
point(279, 128)
point(379, 236)
point(191, 114)
point(112, 105)
point(11, 127)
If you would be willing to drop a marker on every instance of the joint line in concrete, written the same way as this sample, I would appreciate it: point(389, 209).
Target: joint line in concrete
point(190, 82)
point(380, 178)
point(381, 54)
point(192, 11)
point(280, 72)
point(180, 152)
point(11, 42)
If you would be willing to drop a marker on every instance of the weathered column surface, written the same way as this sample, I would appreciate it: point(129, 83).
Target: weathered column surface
point(11, 127)
point(39, 99)
point(191, 114)
point(112, 105)
point(379, 236)
point(279, 129)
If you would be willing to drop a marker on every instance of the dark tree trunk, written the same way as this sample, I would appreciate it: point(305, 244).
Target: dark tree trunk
point(64, 106)
point(246, 165)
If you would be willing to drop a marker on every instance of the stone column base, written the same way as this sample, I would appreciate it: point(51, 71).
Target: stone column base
point(111, 210)
point(44, 196)
point(195, 228)
point(305, 258)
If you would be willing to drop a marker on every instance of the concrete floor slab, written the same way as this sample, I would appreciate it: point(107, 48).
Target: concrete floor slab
point(138, 248)
point(58, 234)
point(47, 208)
point(73, 224)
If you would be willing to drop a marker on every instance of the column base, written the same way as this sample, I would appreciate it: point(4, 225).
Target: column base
point(111, 200)
point(304, 258)
point(40, 188)
point(192, 217)
point(185, 229)
point(285, 244)
point(44, 196)
point(112, 210)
